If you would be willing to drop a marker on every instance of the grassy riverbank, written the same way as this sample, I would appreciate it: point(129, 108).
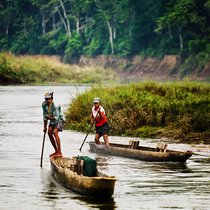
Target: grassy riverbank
point(48, 70)
point(180, 111)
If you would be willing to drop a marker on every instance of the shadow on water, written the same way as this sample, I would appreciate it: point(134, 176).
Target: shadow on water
point(99, 203)
point(202, 160)
point(50, 192)
point(54, 191)
point(172, 167)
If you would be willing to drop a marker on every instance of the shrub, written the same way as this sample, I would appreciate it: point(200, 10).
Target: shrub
point(146, 108)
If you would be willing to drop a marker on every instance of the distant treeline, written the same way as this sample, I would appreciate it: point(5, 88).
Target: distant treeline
point(72, 28)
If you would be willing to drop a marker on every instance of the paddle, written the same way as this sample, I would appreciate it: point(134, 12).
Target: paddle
point(89, 131)
point(42, 149)
point(86, 136)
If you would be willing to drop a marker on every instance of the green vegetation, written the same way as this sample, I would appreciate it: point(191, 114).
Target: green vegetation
point(175, 110)
point(48, 70)
point(125, 28)
point(71, 28)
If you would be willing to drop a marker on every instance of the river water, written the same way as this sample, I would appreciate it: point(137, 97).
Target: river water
point(140, 185)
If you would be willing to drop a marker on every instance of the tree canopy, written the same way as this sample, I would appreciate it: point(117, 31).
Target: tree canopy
point(72, 28)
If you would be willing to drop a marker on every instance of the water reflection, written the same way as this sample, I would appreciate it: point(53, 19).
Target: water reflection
point(102, 163)
point(171, 168)
point(102, 204)
point(202, 160)
point(52, 192)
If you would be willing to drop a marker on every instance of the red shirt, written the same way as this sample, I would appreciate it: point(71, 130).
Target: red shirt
point(98, 120)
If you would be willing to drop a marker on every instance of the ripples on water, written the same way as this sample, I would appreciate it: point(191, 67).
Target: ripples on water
point(140, 185)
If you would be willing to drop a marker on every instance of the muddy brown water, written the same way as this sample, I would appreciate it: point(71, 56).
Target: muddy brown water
point(140, 185)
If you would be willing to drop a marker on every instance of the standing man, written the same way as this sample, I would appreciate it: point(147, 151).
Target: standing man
point(99, 117)
point(54, 114)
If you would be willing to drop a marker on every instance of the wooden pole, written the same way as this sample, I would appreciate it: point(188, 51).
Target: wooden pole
point(86, 136)
point(89, 131)
point(42, 149)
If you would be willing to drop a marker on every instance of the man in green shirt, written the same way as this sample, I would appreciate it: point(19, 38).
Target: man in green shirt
point(54, 114)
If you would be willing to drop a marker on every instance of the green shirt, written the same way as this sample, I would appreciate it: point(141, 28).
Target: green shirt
point(54, 111)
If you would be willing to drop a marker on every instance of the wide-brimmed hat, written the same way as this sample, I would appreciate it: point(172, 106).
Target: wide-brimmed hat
point(48, 95)
point(96, 100)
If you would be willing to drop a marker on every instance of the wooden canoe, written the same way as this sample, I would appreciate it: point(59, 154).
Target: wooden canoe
point(133, 150)
point(69, 174)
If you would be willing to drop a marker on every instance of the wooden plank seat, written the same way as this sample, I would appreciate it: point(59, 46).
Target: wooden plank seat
point(74, 164)
point(133, 144)
point(161, 147)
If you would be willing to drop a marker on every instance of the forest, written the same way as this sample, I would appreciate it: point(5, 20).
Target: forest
point(71, 28)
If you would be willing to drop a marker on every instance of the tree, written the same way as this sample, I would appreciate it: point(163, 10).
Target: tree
point(121, 27)
point(179, 16)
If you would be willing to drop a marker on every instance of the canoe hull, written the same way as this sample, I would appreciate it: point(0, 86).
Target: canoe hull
point(142, 153)
point(99, 186)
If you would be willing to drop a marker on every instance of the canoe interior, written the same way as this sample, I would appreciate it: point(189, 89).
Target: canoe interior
point(143, 148)
point(76, 166)
point(69, 172)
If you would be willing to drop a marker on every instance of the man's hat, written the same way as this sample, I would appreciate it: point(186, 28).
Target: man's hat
point(48, 95)
point(96, 100)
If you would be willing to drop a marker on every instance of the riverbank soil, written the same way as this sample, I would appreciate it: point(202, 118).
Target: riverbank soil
point(138, 68)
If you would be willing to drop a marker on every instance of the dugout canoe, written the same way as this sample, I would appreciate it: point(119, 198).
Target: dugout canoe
point(160, 153)
point(69, 172)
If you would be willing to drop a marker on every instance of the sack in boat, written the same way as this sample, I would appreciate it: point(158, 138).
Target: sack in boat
point(90, 166)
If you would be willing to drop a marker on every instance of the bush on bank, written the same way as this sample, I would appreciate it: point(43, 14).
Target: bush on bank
point(47, 70)
point(179, 110)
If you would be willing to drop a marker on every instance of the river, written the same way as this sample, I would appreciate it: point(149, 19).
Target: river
point(140, 185)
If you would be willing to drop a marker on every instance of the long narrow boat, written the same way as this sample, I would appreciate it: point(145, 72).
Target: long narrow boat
point(69, 172)
point(133, 150)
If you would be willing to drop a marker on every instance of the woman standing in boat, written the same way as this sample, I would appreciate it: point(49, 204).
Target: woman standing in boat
point(99, 117)
point(54, 114)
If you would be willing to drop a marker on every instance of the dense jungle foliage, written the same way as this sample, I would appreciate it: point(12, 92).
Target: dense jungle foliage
point(178, 110)
point(72, 28)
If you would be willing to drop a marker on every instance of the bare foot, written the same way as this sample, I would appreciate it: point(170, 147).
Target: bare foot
point(52, 154)
point(57, 155)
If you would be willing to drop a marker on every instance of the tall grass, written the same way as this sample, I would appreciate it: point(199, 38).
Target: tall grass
point(45, 70)
point(149, 109)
